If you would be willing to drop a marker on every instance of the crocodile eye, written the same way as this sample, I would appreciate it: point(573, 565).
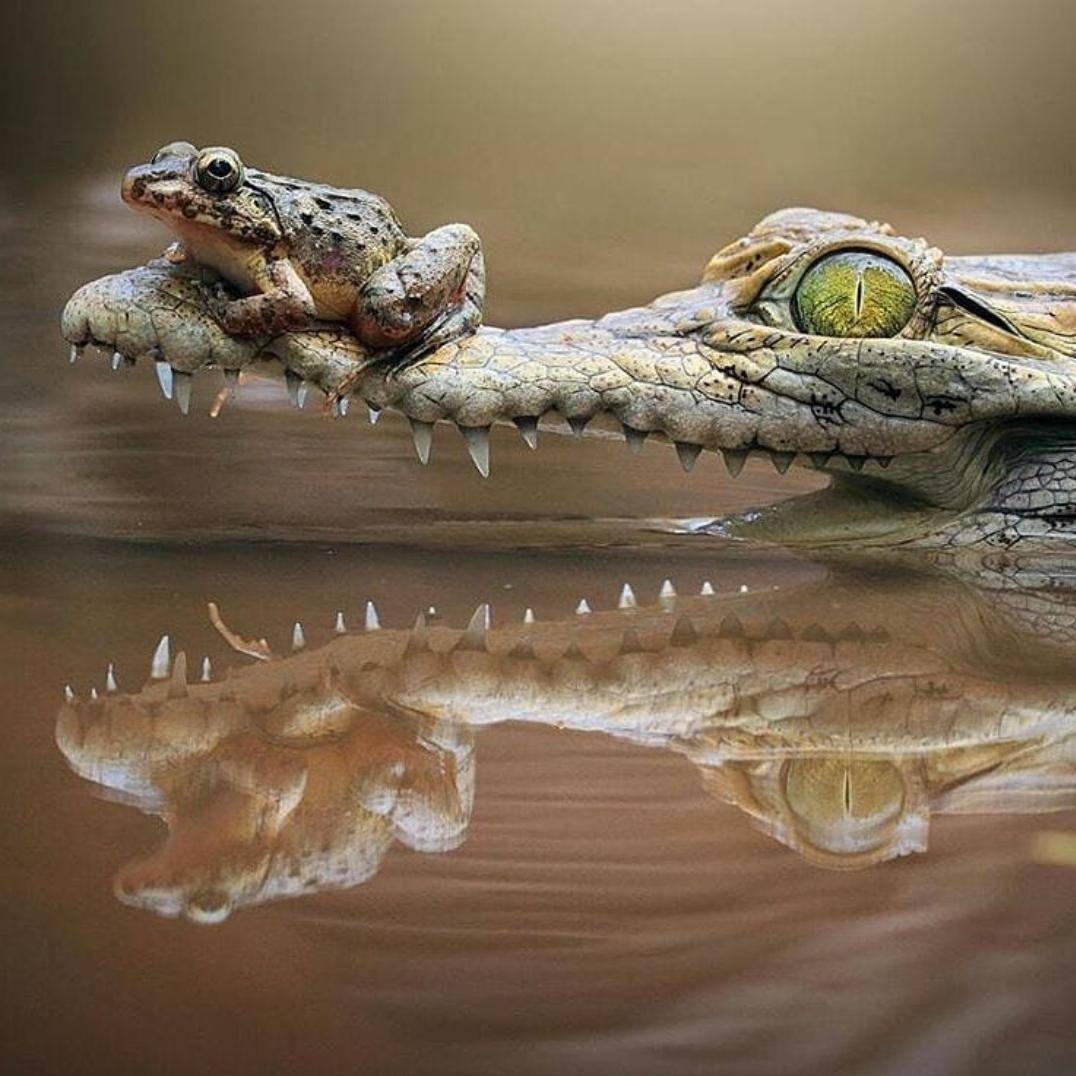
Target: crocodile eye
point(174, 149)
point(218, 170)
point(854, 293)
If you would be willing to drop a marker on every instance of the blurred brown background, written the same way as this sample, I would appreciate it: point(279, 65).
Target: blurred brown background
point(602, 149)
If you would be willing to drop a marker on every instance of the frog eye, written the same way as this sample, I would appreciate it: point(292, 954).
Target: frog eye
point(218, 169)
point(854, 293)
point(174, 149)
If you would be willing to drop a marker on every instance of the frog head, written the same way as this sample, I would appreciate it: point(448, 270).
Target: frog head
point(199, 190)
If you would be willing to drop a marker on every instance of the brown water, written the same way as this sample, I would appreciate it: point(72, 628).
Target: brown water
point(618, 856)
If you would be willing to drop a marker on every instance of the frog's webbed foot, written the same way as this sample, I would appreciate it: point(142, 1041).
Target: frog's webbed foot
point(167, 313)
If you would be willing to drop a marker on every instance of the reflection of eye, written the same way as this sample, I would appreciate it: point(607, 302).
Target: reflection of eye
point(174, 149)
point(854, 293)
point(218, 170)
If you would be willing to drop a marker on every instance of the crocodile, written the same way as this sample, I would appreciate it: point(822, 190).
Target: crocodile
point(838, 715)
point(937, 392)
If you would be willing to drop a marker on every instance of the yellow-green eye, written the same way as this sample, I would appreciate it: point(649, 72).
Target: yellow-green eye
point(854, 293)
point(218, 169)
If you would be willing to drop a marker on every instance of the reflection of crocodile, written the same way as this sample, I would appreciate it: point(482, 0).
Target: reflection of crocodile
point(839, 716)
point(939, 392)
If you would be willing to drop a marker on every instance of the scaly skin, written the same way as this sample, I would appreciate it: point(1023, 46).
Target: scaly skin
point(838, 716)
point(960, 429)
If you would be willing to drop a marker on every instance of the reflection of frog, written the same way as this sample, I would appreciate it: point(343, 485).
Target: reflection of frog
point(301, 250)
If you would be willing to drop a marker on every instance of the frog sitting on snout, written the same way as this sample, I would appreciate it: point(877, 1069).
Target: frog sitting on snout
point(299, 251)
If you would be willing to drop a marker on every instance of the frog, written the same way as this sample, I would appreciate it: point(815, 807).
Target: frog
point(300, 252)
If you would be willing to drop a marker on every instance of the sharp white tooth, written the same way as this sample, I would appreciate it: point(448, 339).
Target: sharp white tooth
point(528, 615)
point(578, 425)
point(422, 435)
point(231, 382)
point(634, 438)
point(164, 377)
point(374, 413)
point(477, 438)
point(372, 622)
point(743, 588)
point(627, 597)
point(340, 627)
point(296, 388)
point(76, 350)
point(583, 607)
point(207, 670)
point(298, 639)
point(342, 407)
point(162, 659)
point(110, 680)
point(707, 590)
point(782, 460)
point(116, 361)
point(93, 694)
point(183, 382)
point(667, 590)
point(688, 454)
point(528, 428)
point(69, 695)
point(734, 458)
point(474, 636)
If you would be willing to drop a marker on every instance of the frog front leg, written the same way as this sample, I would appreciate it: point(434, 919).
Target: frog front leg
point(282, 304)
point(438, 281)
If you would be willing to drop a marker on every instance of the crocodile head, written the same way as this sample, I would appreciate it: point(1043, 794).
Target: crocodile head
point(939, 392)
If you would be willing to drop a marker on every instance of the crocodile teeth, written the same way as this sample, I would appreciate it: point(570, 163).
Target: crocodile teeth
point(76, 351)
point(707, 590)
point(164, 377)
point(374, 413)
point(474, 636)
point(183, 383)
point(343, 405)
point(528, 615)
point(688, 454)
point(340, 627)
point(296, 387)
point(116, 361)
point(578, 424)
point(162, 659)
point(477, 438)
point(110, 680)
point(731, 628)
point(372, 622)
point(231, 383)
point(734, 458)
point(782, 460)
point(528, 428)
point(627, 598)
point(422, 435)
point(177, 685)
point(583, 607)
point(298, 637)
point(207, 670)
point(634, 438)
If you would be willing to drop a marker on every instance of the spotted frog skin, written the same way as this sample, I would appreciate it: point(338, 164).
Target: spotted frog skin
point(298, 251)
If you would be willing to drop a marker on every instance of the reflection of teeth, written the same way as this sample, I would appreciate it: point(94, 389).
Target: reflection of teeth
point(69, 695)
